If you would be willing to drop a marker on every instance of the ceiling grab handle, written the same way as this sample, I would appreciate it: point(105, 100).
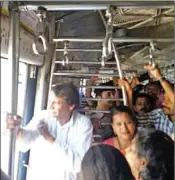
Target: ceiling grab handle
point(151, 52)
point(109, 30)
point(107, 43)
point(120, 73)
point(65, 54)
point(41, 13)
point(103, 61)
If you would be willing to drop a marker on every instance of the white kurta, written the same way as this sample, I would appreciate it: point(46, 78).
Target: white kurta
point(61, 160)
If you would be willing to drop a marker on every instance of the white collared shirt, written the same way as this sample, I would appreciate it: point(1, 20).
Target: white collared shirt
point(62, 159)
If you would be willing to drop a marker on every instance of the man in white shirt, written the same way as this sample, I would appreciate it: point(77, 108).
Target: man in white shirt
point(59, 137)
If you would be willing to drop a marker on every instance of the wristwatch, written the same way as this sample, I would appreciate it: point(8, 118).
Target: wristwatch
point(161, 79)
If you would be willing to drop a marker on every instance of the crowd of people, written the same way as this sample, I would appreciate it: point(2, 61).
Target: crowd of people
point(134, 142)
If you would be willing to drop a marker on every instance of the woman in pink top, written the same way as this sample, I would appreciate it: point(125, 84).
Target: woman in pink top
point(124, 126)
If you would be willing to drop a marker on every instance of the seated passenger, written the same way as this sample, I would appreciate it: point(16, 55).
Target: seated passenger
point(105, 93)
point(104, 162)
point(151, 156)
point(124, 127)
point(88, 91)
point(101, 121)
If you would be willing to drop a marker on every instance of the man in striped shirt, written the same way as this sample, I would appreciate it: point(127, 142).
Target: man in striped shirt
point(146, 116)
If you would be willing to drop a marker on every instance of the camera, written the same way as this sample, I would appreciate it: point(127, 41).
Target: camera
point(143, 77)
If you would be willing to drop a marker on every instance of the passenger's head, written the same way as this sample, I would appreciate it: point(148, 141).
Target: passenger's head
point(64, 98)
point(103, 162)
point(143, 103)
point(105, 93)
point(168, 106)
point(151, 156)
point(123, 122)
point(153, 89)
point(118, 95)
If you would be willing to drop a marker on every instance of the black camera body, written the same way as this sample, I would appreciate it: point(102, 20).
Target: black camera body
point(143, 77)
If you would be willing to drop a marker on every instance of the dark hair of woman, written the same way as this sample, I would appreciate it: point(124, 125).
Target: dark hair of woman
point(123, 109)
point(103, 162)
point(158, 149)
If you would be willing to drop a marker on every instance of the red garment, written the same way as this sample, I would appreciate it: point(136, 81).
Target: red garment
point(110, 142)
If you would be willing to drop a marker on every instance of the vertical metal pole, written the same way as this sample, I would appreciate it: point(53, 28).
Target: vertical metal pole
point(117, 60)
point(28, 114)
point(52, 35)
point(13, 55)
point(120, 72)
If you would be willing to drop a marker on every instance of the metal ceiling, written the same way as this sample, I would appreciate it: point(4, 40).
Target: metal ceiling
point(88, 23)
point(139, 19)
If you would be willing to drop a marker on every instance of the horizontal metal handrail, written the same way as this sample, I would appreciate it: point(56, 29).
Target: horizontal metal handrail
point(84, 74)
point(95, 87)
point(93, 111)
point(87, 62)
point(101, 87)
point(114, 40)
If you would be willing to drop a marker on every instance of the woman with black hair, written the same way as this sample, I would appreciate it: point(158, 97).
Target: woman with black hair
point(124, 127)
point(151, 156)
point(103, 162)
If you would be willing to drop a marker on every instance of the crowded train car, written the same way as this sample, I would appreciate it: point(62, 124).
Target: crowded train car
point(87, 90)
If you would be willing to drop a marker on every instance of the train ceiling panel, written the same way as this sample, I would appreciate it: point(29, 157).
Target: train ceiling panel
point(134, 18)
point(130, 20)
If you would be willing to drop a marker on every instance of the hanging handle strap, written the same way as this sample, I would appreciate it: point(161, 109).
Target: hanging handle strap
point(40, 34)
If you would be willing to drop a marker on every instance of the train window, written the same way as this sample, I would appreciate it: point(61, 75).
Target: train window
point(5, 106)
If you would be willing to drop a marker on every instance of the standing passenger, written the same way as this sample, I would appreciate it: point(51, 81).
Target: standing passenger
point(102, 121)
point(151, 156)
point(124, 127)
point(103, 162)
point(59, 137)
